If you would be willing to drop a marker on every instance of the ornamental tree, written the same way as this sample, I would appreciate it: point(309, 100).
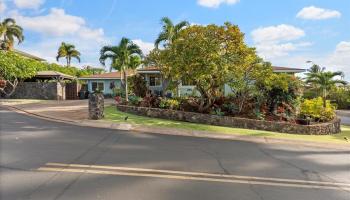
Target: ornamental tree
point(210, 56)
point(14, 68)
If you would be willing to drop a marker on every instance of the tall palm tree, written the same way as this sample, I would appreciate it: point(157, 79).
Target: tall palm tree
point(9, 31)
point(67, 51)
point(169, 31)
point(124, 56)
point(325, 81)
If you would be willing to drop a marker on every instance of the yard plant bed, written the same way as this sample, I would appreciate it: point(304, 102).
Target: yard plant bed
point(328, 128)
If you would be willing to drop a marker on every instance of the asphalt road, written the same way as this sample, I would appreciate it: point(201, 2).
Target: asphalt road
point(106, 164)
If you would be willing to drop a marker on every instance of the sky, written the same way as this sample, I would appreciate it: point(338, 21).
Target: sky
point(286, 33)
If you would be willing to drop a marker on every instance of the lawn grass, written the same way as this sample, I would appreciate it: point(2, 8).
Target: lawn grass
point(112, 114)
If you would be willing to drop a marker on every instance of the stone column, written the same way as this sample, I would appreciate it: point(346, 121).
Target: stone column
point(96, 106)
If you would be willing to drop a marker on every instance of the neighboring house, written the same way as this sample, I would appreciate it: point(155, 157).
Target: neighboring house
point(27, 55)
point(48, 85)
point(154, 80)
point(105, 82)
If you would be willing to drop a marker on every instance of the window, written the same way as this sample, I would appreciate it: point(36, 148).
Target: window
point(154, 81)
point(97, 86)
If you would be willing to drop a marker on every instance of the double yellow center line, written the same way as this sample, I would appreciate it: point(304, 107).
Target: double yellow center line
point(193, 176)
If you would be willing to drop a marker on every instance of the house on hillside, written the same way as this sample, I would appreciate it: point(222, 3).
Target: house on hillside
point(105, 82)
point(154, 81)
point(27, 55)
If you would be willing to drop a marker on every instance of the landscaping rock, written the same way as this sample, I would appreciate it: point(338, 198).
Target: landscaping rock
point(332, 127)
point(96, 106)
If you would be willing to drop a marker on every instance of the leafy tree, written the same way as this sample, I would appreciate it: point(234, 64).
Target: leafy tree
point(325, 81)
point(9, 31)
point(209, 56)
point(341, 96)
point(126, 55)
point(15, 68)
point(169, 31)
point(67, 51)
point(243, 80)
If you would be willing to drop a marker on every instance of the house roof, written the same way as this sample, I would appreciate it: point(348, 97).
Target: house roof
point(274, 68)
point(111, 75)
point(53, 74)
point(287, 69)
point(27, 55)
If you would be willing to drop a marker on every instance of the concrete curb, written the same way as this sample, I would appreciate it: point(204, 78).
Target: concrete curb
point(182, 132)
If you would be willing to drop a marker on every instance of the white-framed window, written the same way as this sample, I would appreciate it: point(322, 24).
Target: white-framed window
point(155, 80)
point(97, 86)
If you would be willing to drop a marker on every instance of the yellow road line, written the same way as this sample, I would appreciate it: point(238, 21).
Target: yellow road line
point(183, 177)
point(250, 178)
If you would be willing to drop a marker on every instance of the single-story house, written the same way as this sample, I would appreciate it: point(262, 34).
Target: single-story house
point(154, 80)
point(105, 82)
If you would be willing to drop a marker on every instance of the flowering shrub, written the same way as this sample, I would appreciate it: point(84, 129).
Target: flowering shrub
point(314, 109)
point(169, 104)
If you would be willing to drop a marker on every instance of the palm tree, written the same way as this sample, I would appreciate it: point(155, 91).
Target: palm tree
point(67, 51)
point(126, 55)
point(325, 81)
point(9, 30)
point(169, 31)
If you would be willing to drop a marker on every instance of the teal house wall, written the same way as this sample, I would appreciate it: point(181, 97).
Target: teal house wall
point(107, 85)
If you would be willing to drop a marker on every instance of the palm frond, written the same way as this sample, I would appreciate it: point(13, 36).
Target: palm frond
point(181, 25)
point(161, 37)
point(166, 21)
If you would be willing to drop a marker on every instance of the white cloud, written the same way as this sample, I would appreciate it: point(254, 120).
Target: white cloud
point(28, 4)
point(57, 26)
point(340, 58)
point(2, 6)
point(279, 33)
point(315, 13)
point(146, 47)
point(58, 23)
point(215, 3)
point(277, 41)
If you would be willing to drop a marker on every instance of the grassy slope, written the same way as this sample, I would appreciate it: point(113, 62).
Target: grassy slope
point(111, 114)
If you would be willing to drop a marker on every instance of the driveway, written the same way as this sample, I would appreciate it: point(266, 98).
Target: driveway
point(64, 110)
point(49, 160)
point(344, 116)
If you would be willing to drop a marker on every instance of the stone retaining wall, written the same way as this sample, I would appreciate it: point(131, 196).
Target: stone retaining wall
point(318, 129)
point(39, 90)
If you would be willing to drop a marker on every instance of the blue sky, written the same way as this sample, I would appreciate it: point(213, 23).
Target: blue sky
point(287, 33)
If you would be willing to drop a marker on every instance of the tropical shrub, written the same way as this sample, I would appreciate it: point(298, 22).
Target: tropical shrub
point(341, 96)
point(135, 100)
point(138, 85)
point(150, 101)
point(172, 104)
point(281, 96)
point(315, 110)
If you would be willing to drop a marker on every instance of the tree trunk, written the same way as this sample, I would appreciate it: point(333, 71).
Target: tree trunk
point(68, 62)
point(165, 84)
point(126, 86)
point(324, 98)
point(13, 88)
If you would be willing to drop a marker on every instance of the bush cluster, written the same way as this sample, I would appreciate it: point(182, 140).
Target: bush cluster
point(314, 110)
